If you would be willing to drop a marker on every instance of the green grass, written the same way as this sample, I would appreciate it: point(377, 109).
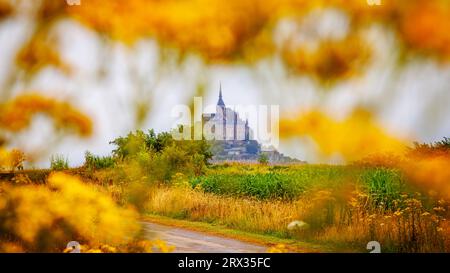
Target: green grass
point(59, 163)
point(98, 162)
point(382, 184)
point(261, 186)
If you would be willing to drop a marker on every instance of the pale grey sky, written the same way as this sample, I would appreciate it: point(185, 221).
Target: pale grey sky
point(411, 100)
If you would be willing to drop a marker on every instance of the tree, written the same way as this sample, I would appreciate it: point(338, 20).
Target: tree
point(59, 163)
point(160, 156)
point(263, 159)
point(11, 160)
point(17, 159)
point(438, 148)
point(92, 161)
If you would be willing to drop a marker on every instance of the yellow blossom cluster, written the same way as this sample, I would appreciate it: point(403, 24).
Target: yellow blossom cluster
point(243, 30)
point(354, 137)
point(17, 114)
point(47, 217)
point(11, 159)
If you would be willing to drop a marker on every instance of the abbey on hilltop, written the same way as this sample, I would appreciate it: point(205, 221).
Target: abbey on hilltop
point(226, 123)
point(231, 137)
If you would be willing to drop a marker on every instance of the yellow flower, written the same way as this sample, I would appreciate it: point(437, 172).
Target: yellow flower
point(61, 209)
point(332, 136)
point(279, 248)
point(17, 114)
point(439, 209)
point(163, 246)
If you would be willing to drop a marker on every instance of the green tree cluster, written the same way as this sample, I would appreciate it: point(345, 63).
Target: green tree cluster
point(161, 156)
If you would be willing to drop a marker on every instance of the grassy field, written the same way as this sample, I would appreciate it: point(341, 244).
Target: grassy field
point(339, 206)
point(291, 182)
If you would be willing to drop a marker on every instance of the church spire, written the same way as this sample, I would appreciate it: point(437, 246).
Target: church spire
point(247, 131)
point(220, 102)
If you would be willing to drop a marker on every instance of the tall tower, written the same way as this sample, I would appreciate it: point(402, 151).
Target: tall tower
point(235, 120)
point(222, 114)
point(220, 102)
point(247, 131)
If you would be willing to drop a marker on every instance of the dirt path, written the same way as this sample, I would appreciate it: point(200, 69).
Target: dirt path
point(191, 241)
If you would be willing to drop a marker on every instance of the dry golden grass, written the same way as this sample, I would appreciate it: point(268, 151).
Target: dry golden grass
point(332, 220)
point(245, 214)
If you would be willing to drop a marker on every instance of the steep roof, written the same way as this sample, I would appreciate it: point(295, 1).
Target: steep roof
point(220, 102)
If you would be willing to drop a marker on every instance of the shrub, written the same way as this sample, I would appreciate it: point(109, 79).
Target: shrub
point(59, 163)
point(160, 156)
point(263, 159)
point(45, 218)
point(439, 148)
point(265, 182)
point(11, 160)
point(94, 162)
point(261, 186)
point(383, 185)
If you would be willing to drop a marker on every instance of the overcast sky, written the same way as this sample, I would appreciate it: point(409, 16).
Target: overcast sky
point(410, 101)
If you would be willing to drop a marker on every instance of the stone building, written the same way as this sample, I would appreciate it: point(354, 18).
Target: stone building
point(225, 124)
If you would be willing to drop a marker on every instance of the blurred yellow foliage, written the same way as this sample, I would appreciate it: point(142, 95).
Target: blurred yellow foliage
point(17, 113)
point(331, 61)
point(140, 246)
point(430, 173)
point(216, 29)
point(4, 158)
point(424, 26)
point(162, 246)
point(5, 9)
point(354, 137)
point(279, 248)
point(220, 29)
point(11, 159)
point(47, 217)
point(243, 30)
point(39, 52)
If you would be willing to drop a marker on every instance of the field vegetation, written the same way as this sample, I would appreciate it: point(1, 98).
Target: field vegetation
point(341, 207)
point(305, 53)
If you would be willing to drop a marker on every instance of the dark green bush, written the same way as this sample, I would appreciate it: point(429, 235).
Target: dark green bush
point(94, 162)
point(59, 163)
point(384, 185)
point(160, 156)
point(261, 186)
